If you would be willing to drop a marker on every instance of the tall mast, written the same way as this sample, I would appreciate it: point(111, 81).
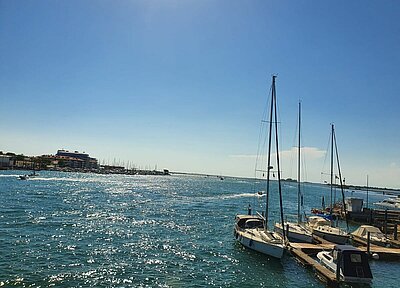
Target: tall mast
point(367, 191)
point(298, 170)
point(341, 182)
point(332, 132)
point(269, 150)
point(278, 167)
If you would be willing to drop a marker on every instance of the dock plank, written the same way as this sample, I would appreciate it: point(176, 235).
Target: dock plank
point(327, 276)
point(310, 246)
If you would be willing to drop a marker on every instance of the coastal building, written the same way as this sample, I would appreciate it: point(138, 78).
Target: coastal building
point(6, 161)
point(22, 162)
point(54, 161)
point(76, 159)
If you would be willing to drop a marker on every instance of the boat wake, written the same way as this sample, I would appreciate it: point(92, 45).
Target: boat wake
point(9, 176)
point(63, 179)
point(241, 195)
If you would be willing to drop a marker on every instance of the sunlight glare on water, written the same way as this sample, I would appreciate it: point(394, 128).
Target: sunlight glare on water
point(71, 229)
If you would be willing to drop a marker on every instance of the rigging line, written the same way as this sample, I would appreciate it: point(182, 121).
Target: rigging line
point(326, 154)
point(261, 133)
point(293, 152)
point(259, 145)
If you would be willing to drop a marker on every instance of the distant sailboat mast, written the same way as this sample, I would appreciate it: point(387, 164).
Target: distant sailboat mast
point(298, 170)
point(332, 132)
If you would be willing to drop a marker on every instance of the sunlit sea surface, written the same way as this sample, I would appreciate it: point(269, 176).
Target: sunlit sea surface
point(80, 230)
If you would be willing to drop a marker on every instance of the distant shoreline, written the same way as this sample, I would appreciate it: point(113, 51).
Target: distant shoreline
point(101, 171)
point(289, 180)
point(389, 191)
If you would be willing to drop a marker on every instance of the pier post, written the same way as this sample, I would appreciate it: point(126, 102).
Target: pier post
point(370, 216)
point(287, 232)
point(395, 232)
point(368, 243)
point(338, 266)
point(386, 217)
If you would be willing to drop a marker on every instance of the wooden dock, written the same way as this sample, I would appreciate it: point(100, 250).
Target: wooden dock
point(384, 253)
point(323, 273)
point(303, 252)
point(385, 220)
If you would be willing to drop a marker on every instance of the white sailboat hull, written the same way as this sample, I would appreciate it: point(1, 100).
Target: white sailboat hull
point(297, 233)
point(253, 242)
point(331, 237)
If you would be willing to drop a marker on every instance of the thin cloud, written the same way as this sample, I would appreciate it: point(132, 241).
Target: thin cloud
point(243, 156)
point(310, 153)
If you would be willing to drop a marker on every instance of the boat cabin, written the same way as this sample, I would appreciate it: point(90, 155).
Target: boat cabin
point(249, 221)
point(353, 263)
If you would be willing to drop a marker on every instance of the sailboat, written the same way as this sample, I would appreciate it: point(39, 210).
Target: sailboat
point(319, 225)
point(252, 230)
point(296, 232)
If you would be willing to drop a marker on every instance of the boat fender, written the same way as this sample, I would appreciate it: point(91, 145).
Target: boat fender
point(375, 256)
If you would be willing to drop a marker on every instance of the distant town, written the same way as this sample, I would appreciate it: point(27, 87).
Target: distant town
point(67, 161)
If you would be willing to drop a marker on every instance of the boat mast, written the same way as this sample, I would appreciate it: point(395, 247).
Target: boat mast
point(278, 166)
point(298, 170)
point(367, 191)
point(332, 132)
point(341, 183)
point(269, 150)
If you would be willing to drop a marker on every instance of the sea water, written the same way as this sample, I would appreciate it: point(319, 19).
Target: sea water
point(79, 230)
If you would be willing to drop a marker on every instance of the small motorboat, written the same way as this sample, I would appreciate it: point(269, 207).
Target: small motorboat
point(23, 177)
point(352, 262)
point(33, 174)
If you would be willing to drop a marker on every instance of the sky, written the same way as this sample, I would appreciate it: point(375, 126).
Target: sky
point(182, 85)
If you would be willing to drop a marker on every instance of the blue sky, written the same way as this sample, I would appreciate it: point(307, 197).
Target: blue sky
point(183, 84)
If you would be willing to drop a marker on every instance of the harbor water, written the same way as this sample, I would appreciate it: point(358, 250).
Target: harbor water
point(79, 230)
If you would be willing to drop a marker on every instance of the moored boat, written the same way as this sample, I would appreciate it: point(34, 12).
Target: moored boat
point(319, 225)
point(250, 232)
point(296, 231)
point(352, 264)
point(322, 228)
point(376, 236)
point(389, 203)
